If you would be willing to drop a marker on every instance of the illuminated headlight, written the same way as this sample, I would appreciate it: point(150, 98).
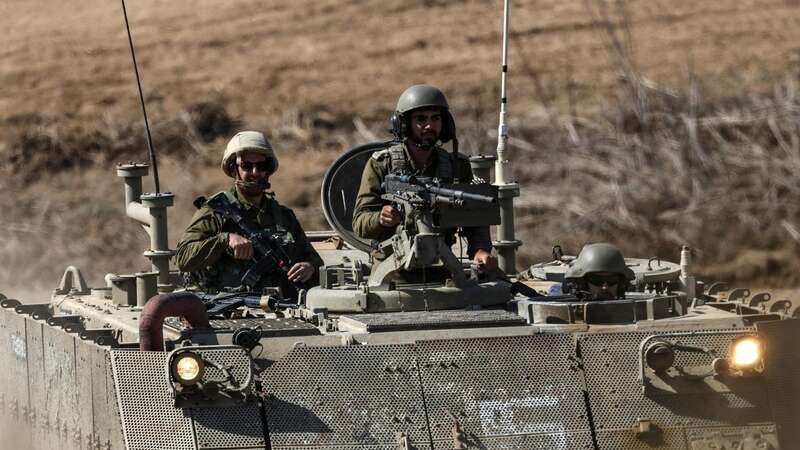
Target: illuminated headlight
point(746, 353)
point(187, 368)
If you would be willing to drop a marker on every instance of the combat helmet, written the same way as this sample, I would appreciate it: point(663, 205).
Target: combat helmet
point(601, 257)
point(422, 96)
point(250, 141)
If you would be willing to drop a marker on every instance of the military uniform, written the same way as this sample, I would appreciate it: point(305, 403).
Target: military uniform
point(397, 158)
point(203, 249)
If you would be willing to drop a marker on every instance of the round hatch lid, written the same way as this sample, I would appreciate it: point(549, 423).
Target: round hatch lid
point(340, 188)
point(652, 270)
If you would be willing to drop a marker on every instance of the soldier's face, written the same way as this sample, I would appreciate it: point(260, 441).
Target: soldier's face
point(426, 124)
point(603, 285)
point(252, 167)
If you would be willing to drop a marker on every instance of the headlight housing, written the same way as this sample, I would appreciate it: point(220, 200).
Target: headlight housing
point(187, 368)
point(746, 353)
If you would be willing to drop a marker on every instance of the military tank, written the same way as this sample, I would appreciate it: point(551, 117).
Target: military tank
point(416, 352)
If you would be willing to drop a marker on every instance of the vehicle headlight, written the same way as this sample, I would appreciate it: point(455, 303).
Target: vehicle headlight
point(746, 352)
point(187, 368)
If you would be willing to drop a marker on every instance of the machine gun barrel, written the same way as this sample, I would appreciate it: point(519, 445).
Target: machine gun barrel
point(460, 195)
point(394, 183)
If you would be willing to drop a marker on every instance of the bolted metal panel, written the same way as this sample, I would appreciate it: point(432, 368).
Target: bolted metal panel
point(37, 410)
point(353, 397)
point(567, 441)
point(237, 427)
point(507, 392)
point(782, 368)
point(721, 438)
point(427, 320)
point(83, 375)
point(618, 401)
point(14, 394)
point(107, 426)
point(60, 387)
point(14, 359)
point(230, 427)
point(149, 419)
point(627, 440)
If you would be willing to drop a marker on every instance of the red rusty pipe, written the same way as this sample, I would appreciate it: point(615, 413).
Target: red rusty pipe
point(161, 306)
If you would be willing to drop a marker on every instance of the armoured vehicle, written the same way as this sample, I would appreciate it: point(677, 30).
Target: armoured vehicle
point(418, 351)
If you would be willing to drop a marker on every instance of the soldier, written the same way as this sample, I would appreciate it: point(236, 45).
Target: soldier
point(212, 249)
point(599, 273)
point(420, 123)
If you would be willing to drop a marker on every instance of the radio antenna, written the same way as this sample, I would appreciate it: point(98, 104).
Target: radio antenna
point(506, 242)
point(502, 129)
point(141, 100)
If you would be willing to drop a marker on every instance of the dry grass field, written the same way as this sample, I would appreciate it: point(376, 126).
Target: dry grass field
point(650, 123)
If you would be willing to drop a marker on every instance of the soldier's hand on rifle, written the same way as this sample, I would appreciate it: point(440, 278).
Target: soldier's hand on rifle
point(242, 247)
point(301, 271)
point(485, 260)
point(389, 216)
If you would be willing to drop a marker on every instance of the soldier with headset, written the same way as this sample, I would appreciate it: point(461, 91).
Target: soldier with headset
point(420, 124)
point(213, 249)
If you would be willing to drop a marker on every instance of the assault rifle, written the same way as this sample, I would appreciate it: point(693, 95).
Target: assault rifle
point(270, 257)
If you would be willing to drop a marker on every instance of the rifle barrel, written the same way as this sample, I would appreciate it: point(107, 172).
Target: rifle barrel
point(461, 195)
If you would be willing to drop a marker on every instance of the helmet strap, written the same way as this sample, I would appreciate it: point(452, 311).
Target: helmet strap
point(251, 188)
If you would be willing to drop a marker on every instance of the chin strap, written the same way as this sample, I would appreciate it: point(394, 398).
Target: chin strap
point(251, 187)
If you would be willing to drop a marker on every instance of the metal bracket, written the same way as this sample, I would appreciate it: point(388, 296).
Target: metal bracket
point(759, 298)
point(72, 282)
point(9, 303)
point(459, 435)
point(68, 323)
point(738, 295)
point(103, 336)
point(647, 431)
point(401, 438)
point(717, 287)
point(38, 312)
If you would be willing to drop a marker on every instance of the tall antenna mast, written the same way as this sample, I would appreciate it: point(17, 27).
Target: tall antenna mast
point(141, 100)
point(506, 243)
point(149, 209)
point(502, 129)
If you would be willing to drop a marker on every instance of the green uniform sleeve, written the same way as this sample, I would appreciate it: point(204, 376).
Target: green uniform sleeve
point(203, 242)
point(369, 202)
point(304, 248)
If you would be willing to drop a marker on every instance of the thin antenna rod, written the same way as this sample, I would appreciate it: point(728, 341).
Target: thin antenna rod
point(141, 99)
point(502, 128)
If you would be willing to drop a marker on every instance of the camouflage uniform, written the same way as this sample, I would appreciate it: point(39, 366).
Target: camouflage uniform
point(203, 249)
point(369, 202)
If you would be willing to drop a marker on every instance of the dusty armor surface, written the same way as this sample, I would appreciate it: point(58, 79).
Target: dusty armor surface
point(420, 352)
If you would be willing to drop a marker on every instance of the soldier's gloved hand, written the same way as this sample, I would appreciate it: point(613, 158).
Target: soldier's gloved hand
point(485, 260)
point(389, 216)
point(301, 271)
point(242, 247)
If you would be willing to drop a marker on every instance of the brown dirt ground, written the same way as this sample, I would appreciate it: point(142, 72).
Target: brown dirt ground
point(307, 70)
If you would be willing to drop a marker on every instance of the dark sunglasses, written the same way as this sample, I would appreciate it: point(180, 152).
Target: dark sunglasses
point(599, 280)
point(263, 166)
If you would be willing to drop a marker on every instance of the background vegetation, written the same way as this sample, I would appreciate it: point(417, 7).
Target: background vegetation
point(647, 123)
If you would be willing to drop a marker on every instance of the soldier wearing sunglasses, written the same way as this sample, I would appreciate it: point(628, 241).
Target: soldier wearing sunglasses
point(598, 273)
point(213, 250)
